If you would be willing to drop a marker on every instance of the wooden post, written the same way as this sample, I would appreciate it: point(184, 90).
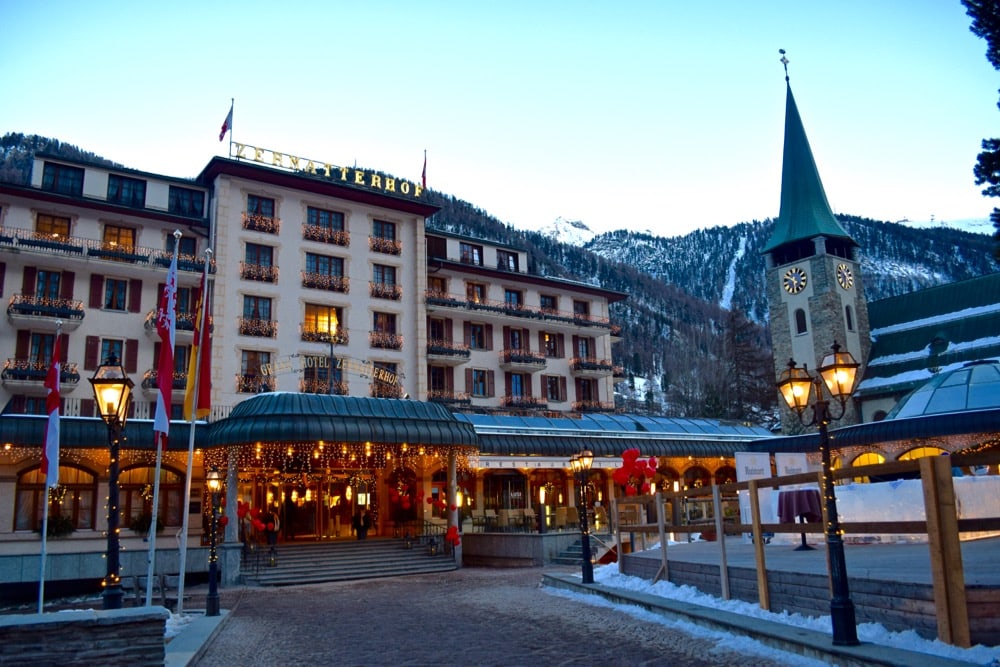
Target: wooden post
point(763, 595)
point(664, 570)
point(720, 537)
point(945, 551)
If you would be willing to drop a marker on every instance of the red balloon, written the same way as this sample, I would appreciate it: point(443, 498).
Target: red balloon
point(453, 507)
point(224, 521)
point(430, 500)
point(270, 525)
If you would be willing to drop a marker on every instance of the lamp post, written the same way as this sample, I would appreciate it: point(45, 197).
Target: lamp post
point(214, 480)
point(113, 393)
point(580, 463)
point(837, 372)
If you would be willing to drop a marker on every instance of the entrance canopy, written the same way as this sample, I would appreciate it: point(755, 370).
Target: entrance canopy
point(297, 417)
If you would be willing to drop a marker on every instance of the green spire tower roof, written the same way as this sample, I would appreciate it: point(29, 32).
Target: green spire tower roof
point(805, 212)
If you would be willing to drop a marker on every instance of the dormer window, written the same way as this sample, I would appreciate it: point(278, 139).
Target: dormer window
point(471, 254)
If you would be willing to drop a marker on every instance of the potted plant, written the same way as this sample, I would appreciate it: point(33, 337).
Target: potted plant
point(140, 524)
point(59, 526)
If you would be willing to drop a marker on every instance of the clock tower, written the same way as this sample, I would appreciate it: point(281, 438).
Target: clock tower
point(814, 290)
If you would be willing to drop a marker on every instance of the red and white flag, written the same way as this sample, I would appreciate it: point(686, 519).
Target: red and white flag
point(50, 454)
point(166, 326)
point(196, 407)
point(227, 124)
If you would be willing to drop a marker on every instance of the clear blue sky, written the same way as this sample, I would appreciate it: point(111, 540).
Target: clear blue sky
point(662, 115)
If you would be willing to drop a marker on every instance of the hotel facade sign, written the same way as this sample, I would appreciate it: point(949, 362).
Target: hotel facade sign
point(345, 175)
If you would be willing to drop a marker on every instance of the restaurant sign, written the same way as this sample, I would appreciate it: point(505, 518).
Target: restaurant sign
point(345, 175)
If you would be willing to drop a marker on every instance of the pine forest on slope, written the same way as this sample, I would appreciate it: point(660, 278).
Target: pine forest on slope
point(695, 357)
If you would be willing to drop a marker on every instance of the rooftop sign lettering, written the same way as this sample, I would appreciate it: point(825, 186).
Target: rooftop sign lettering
point(345, 175)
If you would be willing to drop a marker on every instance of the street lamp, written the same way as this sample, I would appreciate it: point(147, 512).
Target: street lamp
point(837, 372)
point(580, 463)
point(113, 393)
point(214, 480)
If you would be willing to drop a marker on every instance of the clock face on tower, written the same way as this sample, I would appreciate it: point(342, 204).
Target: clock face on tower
point(794, 280)
point(844, 276)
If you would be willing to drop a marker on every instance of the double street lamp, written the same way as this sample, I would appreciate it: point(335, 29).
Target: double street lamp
point(581, 463)
point(214, 480)
point(113, 393)
point(837, 372)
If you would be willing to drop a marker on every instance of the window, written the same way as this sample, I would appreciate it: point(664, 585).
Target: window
point(800, 321)
point(849, 317)
point(256, 307)
point(187, 246)
point(136, 500)
point(517, 339)
point(47, 284)
point(384, 230)
point(586, 390)
point(507, 261)
point(63, 179)
point(78, 504)
point(513, 298)
point(51, 225)
point(324, 266)
point(581, 309)
point(436, 329)
point(519, 384)
point(437, 377)
point(187, 202)
point(119, 237)
point(115, 291)
point(549, 303)
point(384, 275)
point(475, 292)
point(255, 374)
point(322, 321)
point(126, 191)
point(477, 336)
point(259, 263)
point(327, 220)
point(317, 373)
point(471, 254)
point(384, 323)
point(584, 347)
point(385, 380)
point(112, 348)
point(41, 350)
point(480, 382)
point(552, 344)
point(437, 285)
point(260, 206)
point(555, 388)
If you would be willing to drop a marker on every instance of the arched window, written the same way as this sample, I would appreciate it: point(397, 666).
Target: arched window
point(800, 321)
point(725, 475)
point(136, 494)
point(867, 459)
point(696, 477)
point(75, 498)
point(920, 452)
point(849, 318)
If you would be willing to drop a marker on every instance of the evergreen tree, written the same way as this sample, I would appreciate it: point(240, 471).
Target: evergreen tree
point(986, 24)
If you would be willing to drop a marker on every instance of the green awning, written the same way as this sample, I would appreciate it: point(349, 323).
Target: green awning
point(296, 417)
point(91, 432)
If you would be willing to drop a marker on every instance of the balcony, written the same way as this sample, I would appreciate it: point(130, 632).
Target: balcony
point(311, 334)
point(250, 326)
point(378, 290)
point(48, 243)
point(523, 402)
point(151, 385)
point(446, 352)
point(326, 282)
point(593, 406)
point(322, 387)
point(385, 390)
point(521, 360)
point(589, 367)
point(385, 341)
point(324, 235)
point(254, 384)
point(261, 223)
point(619, 373)
point(27, 376)
point(449, 398)
point(435, 298)
point(264, 273)
point(116, 252)
point(385, 246)
point(41, 313)
point(191, 263)
point(183, 326)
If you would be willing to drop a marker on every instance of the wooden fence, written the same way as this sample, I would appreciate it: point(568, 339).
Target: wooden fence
point(941, 525)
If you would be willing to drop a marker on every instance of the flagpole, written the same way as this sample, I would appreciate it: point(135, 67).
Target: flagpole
point(193, 417)
point(43, 556)
point(155, 513)
point(232, 107)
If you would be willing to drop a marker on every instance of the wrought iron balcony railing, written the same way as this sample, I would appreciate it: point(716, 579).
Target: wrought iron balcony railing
point(326, 282)
point(250, 326)
point(324, 235)
point(385, 341)
point(385, 290)
point(385, 246)
point(41, 306)
point(261, 223)
point(265, 273)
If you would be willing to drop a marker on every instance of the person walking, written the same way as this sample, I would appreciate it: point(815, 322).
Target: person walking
point(362, 522)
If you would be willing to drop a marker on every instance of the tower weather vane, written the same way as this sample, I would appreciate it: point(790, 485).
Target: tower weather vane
point(784, 61)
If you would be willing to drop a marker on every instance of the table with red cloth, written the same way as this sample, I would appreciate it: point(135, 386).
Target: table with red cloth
point(801, 504)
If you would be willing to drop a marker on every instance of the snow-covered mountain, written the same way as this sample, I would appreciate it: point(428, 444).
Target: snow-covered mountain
point(570, 232)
